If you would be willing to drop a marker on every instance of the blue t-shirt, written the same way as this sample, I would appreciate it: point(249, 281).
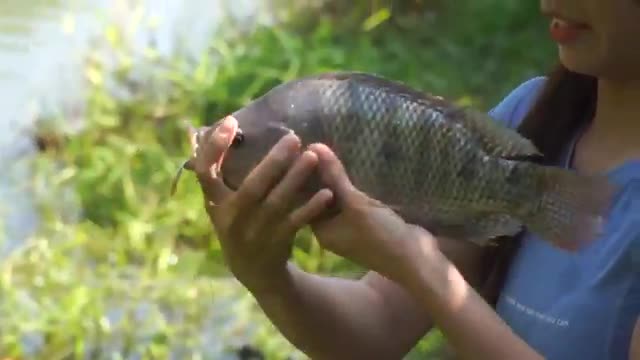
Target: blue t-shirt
point(580, 305)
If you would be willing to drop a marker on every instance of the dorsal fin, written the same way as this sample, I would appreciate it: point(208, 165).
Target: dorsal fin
point(381, 83)
point(496, 139)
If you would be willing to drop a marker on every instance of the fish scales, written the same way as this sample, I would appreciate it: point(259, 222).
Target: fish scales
point(364, 123)
point(367, 150)
point(450, 169)
point(395, 150)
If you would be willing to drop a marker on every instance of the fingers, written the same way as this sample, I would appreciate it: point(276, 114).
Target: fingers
point(306, 213)
point(277, 210)
point(281, 198)
point(267, 173)
point(332, 171)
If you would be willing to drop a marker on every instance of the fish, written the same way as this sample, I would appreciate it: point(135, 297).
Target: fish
point(448, 168)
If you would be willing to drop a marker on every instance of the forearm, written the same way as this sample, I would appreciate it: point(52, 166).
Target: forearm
point(331, 318)
point(471, 326)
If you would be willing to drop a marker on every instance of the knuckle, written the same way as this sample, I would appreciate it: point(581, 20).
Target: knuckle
point(274, 204)
point(287, 227)
point(249, 192)
point(280, 154)
point(291, 221)
point(280, 161)
point(249, 232)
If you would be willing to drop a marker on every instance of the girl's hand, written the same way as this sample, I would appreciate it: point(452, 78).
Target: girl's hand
point(365, 230)
point(256, 224)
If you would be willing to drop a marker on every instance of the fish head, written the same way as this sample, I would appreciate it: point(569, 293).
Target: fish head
point(288, 108)
point(260, 127)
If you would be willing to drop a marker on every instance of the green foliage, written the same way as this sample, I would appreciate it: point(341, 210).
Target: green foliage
point(139, 274)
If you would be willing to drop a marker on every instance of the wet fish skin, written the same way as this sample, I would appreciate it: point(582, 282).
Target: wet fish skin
point(452, 170)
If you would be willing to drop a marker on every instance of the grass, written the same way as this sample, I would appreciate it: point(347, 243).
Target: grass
point(139, 275)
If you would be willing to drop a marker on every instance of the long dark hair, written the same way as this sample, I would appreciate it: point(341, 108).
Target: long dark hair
point(566, 102)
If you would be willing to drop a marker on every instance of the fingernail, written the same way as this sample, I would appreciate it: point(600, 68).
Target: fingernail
point(226, 127)
point(290, 141)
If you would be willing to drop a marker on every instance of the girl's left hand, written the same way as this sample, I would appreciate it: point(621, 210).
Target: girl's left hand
point(365, 230)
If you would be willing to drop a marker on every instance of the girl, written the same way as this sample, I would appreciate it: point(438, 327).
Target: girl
point(548, 303)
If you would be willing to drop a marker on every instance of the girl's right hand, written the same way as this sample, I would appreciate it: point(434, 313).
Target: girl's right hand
point(256, 224)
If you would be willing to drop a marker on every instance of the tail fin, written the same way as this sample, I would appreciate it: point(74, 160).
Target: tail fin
point(573, 207)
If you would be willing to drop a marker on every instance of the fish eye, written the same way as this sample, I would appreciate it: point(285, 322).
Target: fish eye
point(238, 139)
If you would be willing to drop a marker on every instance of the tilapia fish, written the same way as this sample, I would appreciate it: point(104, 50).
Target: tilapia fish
point(452, 170)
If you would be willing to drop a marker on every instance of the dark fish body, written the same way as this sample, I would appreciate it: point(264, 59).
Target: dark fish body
point(452, 170)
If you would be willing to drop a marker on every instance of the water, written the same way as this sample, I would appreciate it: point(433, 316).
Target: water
point(41, 49)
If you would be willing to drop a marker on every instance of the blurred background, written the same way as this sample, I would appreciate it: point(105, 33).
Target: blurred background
point(96, 260)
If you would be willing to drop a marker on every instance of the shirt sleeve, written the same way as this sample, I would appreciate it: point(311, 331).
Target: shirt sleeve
point(512, 109)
